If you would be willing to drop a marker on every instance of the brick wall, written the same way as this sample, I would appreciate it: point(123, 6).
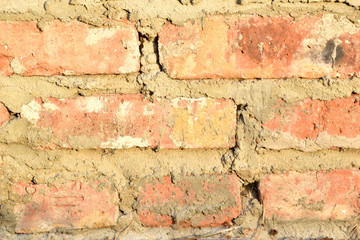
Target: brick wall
point(170, 119)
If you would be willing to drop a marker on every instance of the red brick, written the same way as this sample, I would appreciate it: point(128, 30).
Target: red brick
point(5, 69)
point(311, 195)
point(331, 123)
point(240, 46)
point(194, 201)
point(124, 121)
point(73, 48)
point(4, 114)
point(72, 205)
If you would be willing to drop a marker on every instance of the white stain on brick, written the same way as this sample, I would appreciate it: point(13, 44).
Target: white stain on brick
point(131, 63)
point(95, 35)
point(124, 109)
point(17, 67)
point(148, 110)
point(278, 140)
point(90, 104)
point(50, 106)
point(31, 111)
point(200, 102)
point(125, 142)
point(69, 73)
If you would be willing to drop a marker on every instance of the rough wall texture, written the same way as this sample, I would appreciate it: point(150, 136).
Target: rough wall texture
point(189, 119)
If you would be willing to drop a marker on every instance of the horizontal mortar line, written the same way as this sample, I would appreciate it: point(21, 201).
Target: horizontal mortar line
point(115, 151)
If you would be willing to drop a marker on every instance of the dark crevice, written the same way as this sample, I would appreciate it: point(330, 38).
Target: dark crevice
point(156, 51)
point(142, 38)
point(252, 189)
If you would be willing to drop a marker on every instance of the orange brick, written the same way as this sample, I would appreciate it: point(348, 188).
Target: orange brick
point(311, 195)
point(196, 201)
point(4, 114)
point(73, 205)
point(125, 121)
point(71, 49)
point(5, 68)
point(240, 46)
point(332, 123)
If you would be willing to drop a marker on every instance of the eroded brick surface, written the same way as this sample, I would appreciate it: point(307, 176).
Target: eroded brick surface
point(125, 121)
point(311, 195)
point(196, 201)
point(332, 123)
point(73, 205)
point(71, 49)
point(260, 47)
point(4, 114)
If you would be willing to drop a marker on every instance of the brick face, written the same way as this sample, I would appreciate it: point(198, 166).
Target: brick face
point(72, 205)
point(325, 123)
point(196, 201)
point(202, 115)
point(125, 121)
point(79, 49)
point(4, 114)
point(258, 47)
point(311, 195)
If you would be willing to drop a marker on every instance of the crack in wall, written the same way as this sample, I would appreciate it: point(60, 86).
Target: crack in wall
point(248, 161)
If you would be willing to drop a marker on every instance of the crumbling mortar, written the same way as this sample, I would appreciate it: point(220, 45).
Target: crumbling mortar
point(94, 14)
point(245, 148)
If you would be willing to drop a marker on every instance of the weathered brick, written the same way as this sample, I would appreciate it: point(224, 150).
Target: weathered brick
point(311, 195)
point(194, 201)
point(314, 124)
point(5, 68)
point(72, 205)
point(124, 121)
point(70, 49)
point(4, 114)
point(261, 47)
